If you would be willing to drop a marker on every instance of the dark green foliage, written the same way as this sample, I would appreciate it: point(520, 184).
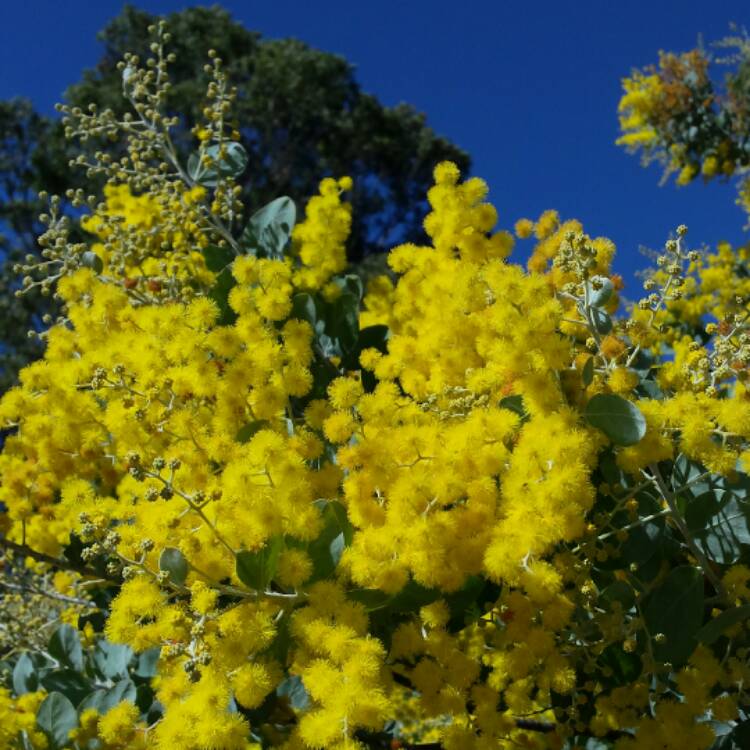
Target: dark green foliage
point(256, 569)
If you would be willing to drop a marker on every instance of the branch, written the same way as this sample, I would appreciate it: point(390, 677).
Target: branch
point(49, 594)
point(679, 521)
point(25, 551)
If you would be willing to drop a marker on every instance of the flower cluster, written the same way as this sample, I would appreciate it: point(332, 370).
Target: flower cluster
point(472, 498)
point(676, 114)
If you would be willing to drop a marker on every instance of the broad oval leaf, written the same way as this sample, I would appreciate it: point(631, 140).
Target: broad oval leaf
point(601, 320)
point(103, 699)
point(209, 166)
point(294, 691)
point(515, 404)
point(713, 629)
point(304, 308)
point(147, 662)
point(65, 646)
point(337, 533)
point(112, 659)
point(625, 667)
point(351, 284)
point(124, 690)
point(675, 609)
point(218, 258)
point(600, 290)
point(342, 322)
point(619, 419)
point(25, 677)
point(269, 229)
point(587, 374)
point(173, 562)
point(56, 718)
point(718, 520)
point(257, 568)
point(70, 682)
point(90, 259)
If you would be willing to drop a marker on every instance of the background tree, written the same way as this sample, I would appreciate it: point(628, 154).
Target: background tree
point(301, 115)
point(682, 114)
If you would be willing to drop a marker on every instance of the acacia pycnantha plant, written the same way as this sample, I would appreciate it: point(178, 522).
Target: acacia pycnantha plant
point(469, 507)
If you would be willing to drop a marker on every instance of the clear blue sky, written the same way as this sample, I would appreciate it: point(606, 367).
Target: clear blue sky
point(529, 89)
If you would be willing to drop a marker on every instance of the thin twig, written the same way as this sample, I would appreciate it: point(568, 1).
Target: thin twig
point(25, 551)
point(49, 594)
point(679, 521)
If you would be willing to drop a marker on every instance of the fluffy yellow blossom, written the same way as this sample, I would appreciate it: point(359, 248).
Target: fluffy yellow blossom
point(117, 726)
point(319, 241)
point(636, 107)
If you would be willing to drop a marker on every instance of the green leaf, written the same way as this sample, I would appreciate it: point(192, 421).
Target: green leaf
point(413, 597)
point(218, 258)
point(244, 434)
point(601, 320)
point(104, 699)
point(294, 691)
point(304, 308)
point(257, 568)
point(350, 284)
point(600, 290)
point(124, 690)
point(467, 604)
point(625, 667)
point(336, 510)
point(219, 293)
point(371, 337)
point(686, 471)
point(718, 521)
point(90, 259)
point(649, 389)
point(675, 608)
point(342, 322)
point(619, 419)
point(56, 718)
point(619, 591)
point(25, 676)
point(147, 661)
point(514, 403)
point(69, 682)
point(173, 562)
point(644, 542)
point(92, 700)
point(279, 648)
point(269, 229)
point(65, 646)
point(325, 551)
point(112, 659)
point(713, 629)
point(737, 739)
point(232, 164)
point(587, 375)
point(374, 337)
